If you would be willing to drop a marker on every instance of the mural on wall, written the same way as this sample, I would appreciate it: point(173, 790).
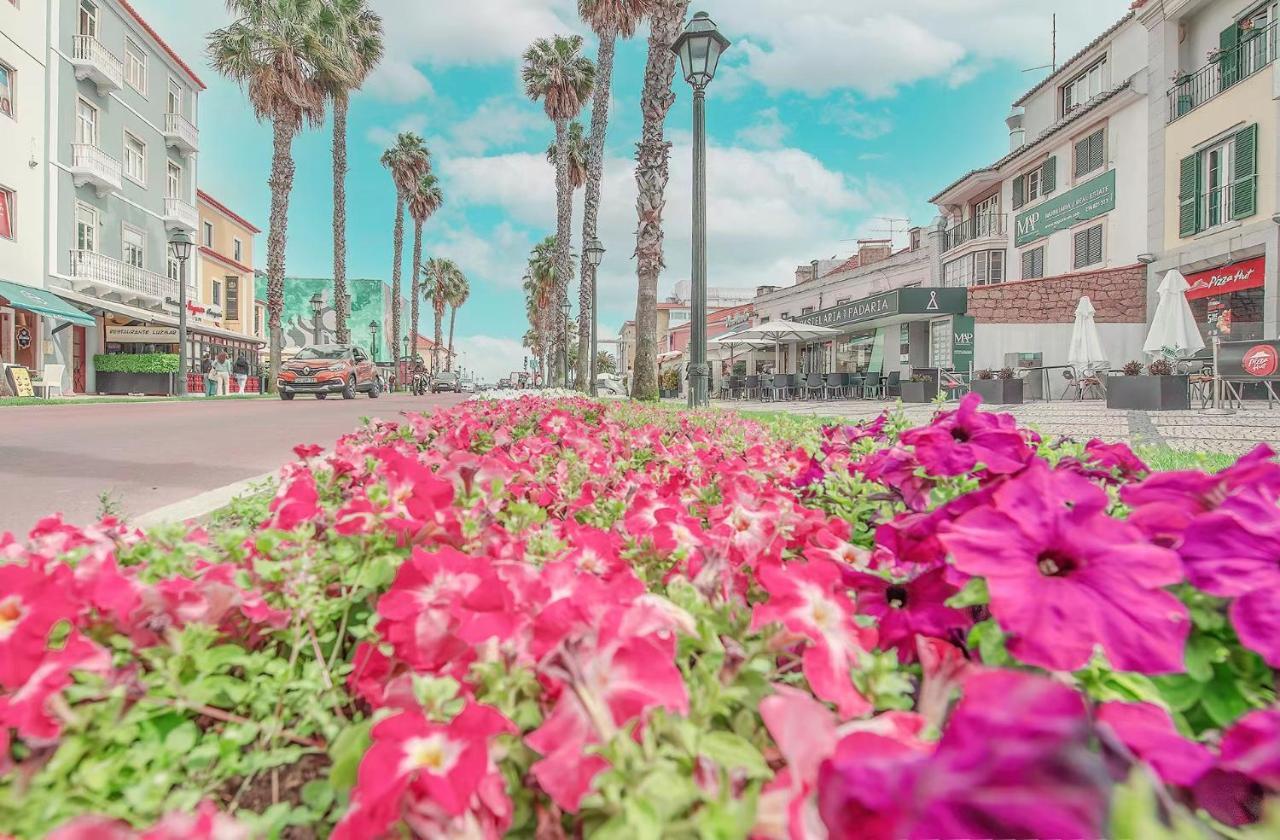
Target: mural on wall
point(370, 301)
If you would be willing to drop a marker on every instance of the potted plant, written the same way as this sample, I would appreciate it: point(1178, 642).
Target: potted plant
point(920, 389)
point(1160, 390)
point(1001, 388)
point(135, 373)
point(1132, 368)
point(669, 384)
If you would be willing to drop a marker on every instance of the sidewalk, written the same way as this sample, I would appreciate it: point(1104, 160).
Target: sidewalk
point(1186, 431)
point(106, 399)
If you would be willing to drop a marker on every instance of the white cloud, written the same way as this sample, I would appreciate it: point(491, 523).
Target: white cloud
point(491, 358)
point(854, 120)
point(497, 123)
point(383, 137)
point(398, 81)
point(767, 132)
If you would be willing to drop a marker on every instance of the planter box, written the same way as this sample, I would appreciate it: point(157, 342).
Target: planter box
point(664, 394)
point(1149, 393)
point(152, 384)
point(919, 392)
point(999, 391)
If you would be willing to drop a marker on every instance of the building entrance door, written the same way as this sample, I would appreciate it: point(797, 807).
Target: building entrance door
point(77, 360)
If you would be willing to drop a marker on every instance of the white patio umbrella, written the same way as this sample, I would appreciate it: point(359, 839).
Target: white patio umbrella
point(789, 331)
point(732, 341)
point(1086, 351)
point(1173, 329)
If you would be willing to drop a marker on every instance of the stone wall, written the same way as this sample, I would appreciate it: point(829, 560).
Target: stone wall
point(1118, 294)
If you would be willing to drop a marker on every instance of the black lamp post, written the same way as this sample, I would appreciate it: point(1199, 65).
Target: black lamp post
point(594, 252)
point(699, 48)
point(181, 244)
point(373, 341)
point(317, 307)
point(567, 308)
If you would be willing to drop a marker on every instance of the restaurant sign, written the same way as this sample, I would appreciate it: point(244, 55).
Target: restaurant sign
point(913, 301)
point(1246, 274)
point(142, 335)
point(1087, 201)
point(962, 330)
point(1249, 359)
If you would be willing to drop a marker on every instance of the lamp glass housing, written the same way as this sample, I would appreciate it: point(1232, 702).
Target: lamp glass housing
point(595, 253)
point(699, 49)
point(181, 244)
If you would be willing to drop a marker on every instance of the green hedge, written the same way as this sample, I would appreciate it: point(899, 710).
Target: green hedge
point(137, 363)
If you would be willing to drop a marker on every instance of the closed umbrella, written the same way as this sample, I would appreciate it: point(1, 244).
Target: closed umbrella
point(1173, 329)
point(1086, 353)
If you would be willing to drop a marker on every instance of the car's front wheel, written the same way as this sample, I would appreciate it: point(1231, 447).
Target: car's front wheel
point(286, 395)
point(349, 392)
point(375, 390)
point(321, 396)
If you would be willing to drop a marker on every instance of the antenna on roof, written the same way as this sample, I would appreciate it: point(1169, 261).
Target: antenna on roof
point(892, 229)
point(1053, 68)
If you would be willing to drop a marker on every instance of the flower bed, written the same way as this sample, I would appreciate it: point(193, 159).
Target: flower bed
point(564, 619)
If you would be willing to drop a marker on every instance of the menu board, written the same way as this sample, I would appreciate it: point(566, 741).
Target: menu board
point(20, 379)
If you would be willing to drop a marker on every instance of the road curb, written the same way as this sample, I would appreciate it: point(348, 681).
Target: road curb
point(199, 506)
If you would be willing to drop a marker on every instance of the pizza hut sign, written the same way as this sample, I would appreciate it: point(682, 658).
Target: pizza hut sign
point(1245, 360)
point(1246, 274)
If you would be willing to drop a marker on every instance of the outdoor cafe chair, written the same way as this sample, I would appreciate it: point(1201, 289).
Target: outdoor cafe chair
point(751, 387)
point(814, 386)
point(781, 386)
point(872, 386)
point(953, 384)
point(893, 385)
point(835, 385)
point(853, 385)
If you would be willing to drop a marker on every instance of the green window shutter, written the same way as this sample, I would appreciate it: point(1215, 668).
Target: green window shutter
point(1189, 197)
point(1229, 60)
point(1019, 192)
point(1049, 176)
point(1244, 188)
point(1082, 157)
point(1098, 150)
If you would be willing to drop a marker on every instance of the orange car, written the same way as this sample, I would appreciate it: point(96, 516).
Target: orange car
point(324, 369)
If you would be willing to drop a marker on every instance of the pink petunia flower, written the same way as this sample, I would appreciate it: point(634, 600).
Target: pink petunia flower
point(957, 442)
point(32, 600)
point(907, 607)
point(1149, 733)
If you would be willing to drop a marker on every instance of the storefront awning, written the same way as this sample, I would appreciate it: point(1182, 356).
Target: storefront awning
point(156, 318)
point(44, 303)
point(893, 307)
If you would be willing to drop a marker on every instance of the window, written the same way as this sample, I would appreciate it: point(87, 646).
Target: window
point(842, 301)
point(135, 66)
point(1084, 87)
point(86, 228)
point(257, 320)
point(86, 123)
point(238, 250)
point(233, 298)
point(7, 87)
point(132, 246)
point(983, 268)
point(1091, 153)
point(173, 181)
point(7, 199)
point(135, 159)
point(175, 98)
point(217, 293)
point(786, 316)
point(1033, 263)
point(1219, 183)
point(1088, 247)
point(1040, 181)
point(208, 234)
point(87, 22)
point(173, 269)
point(808, 310)
point(985, 212)
point(941, 342)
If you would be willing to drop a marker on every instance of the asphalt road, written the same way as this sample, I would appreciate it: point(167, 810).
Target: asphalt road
point(61, 458)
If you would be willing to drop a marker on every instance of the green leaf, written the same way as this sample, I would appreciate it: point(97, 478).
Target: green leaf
point(182, 738)
point(346, 752)
point(318, 795)
point(974, 594)
point(1222, 698)
point(988, 638)
point(1136, 813)
point(1202, 652)
point(1180, 692)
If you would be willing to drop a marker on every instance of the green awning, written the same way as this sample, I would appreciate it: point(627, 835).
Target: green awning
point(46, 303)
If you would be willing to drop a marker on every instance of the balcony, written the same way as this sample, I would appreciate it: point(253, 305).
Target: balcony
point(100, 276)
point(986, 226)
point(180, 134)
point(179, 215)
point(95, 62)
point(1256, 51)
point(94, 167)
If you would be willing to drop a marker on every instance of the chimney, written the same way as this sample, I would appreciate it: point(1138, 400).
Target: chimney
point(764, 290)
point(803, 274)
point(874, 251)
point(1017, 134)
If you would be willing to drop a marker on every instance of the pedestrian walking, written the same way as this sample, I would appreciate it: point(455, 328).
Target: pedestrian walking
point(206, 369)
point(241, 373)
point(222, 373)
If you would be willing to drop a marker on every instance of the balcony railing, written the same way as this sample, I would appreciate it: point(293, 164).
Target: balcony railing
point(180, 214)
point(95, 62)
point(984, 226)
point(106, 274)
point(1257, 49)
point(90, 165)
point(180, 133)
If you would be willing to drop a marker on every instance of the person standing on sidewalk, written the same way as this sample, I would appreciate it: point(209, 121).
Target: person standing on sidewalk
point(206, 368)
point(222, 373)
point(241, 372)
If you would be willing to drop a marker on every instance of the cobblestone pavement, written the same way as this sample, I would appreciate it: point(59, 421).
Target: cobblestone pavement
point(1181, 430)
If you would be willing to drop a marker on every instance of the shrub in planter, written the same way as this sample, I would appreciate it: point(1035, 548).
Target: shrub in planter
point(669, 382)
point(1132, 368)
point(985, 373)
point(136, 363)
point(1005, 373)
point(1160, 367)
point(1004, 389)
point(1160, 391)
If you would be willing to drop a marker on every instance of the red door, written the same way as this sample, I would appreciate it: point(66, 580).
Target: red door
point(77, 360)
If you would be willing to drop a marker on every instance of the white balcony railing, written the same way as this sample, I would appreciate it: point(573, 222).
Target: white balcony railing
point(90, 165)
point(181, 134)
point(95, 62)
point(100, 274)
point(178, 214)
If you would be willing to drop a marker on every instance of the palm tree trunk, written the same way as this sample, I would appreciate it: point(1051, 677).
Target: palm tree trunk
point(453, 316)
point(591, 203)
point(282, 172)
point(564, 235)
point(398, 257)
point(652, 173)
point(439, 337)
point(340, 106)
point(415, 291)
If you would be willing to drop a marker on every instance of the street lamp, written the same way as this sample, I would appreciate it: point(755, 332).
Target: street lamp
point(373, 340)
point(317, 307)
point(566, 307)
point(699, 48)
point(181, 244)
point(594, 252)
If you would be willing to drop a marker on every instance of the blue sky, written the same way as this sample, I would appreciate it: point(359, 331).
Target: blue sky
point(825, 116)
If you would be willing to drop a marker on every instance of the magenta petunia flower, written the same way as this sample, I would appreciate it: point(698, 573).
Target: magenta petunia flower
point(959, 441)
point(1066, 578)
point(1148, 732)
point(897, 469)
point(905, 608)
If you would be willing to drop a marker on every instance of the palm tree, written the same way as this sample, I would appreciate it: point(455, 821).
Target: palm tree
point(577, 156)
point(459, 291)
point(610, 20)
point(423, 204)
point(276, 51)
point(555, 71)
point(358, 36)
point(440, 275)
point(408, 160)
point(666, 19)
point(541, 296)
